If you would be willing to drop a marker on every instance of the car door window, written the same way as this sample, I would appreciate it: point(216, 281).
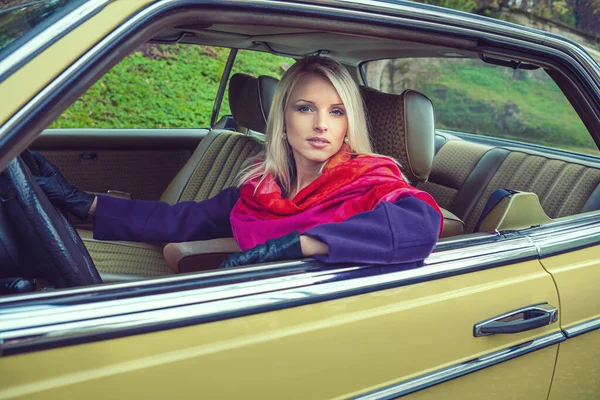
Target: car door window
point(471, 96)
point(157, 86)
point(255, 63)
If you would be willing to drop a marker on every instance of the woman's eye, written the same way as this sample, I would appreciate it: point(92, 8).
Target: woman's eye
point(304, 108)
point(337, 111)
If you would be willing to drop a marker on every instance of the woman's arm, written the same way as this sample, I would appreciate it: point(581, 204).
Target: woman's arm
point(400, 232)
point(155, 221)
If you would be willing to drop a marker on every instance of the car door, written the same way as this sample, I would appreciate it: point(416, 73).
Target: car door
point(290, 330)
point(135, 128)
point(575, 267)
point(296, 330)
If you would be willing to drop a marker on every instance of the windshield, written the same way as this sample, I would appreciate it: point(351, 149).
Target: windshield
point(18, 17)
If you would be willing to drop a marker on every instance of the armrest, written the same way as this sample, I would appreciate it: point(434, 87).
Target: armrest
point(518, 210)
point(452, 224)
point(200, 255)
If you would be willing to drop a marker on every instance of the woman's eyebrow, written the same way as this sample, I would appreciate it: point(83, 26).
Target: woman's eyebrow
point(312, 102)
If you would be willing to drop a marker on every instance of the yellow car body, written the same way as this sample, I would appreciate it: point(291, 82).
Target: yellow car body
point(406, 333)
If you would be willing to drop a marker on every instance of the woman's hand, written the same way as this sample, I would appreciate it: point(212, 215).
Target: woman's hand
point(60, 192)
point(289, 247)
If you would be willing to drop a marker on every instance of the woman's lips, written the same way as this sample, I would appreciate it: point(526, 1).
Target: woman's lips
point(318, 142)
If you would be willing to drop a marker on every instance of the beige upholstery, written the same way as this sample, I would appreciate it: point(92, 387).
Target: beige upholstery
point(212, 167)
point(518, 210)
point(129, 258)
point(452, 224)
point(403, 127)
point(562, 187)
point(199, 255)
point(465, 174)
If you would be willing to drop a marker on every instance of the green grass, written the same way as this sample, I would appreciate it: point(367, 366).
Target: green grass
point(488, 100)
point(163, 87)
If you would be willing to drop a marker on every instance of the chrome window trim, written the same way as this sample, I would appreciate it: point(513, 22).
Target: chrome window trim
point(458, 370)
point(584, 327)
point(27, 324)
point(566, 234)
point(64, 25)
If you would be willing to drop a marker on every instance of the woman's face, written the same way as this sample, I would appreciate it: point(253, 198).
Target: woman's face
point(315, 121)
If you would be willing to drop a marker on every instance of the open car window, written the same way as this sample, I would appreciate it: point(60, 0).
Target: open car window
point(156, 86)
point(471, 96)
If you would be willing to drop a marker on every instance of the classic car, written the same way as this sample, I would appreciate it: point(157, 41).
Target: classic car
point(506, 307)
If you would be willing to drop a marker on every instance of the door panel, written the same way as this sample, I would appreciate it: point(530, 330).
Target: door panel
point(523, 378)
point(577, 276)
point(141, 162)
point(335, 349)
point(577, 375)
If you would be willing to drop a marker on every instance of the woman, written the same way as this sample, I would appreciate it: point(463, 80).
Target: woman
point(317, 191)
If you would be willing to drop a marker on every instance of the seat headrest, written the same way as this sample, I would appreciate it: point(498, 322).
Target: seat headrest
point(402, 126)
point(236, 84)
point(252, 106)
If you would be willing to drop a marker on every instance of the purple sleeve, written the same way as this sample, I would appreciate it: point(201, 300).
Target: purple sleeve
point(400, 232)
point(156, 221)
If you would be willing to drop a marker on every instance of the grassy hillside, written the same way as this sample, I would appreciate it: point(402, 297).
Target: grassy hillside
point(163, 87)
point(498, 101)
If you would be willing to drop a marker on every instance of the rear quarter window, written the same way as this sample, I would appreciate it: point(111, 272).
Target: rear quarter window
point(471, 96)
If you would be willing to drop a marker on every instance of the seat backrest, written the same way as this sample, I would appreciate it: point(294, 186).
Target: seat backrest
point(220, 156)
point(402, 126)
point(465, 174)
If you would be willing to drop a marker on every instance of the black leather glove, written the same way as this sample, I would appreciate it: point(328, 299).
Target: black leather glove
point(284, 248)
point(59, 191)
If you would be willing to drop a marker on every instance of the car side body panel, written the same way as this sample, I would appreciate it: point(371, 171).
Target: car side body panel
point(577, 275)
point(348, 347)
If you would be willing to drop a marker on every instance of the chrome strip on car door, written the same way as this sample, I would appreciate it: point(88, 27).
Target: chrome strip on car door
point(455, 371)
point(35, 321)
point(567, 234)
point(580, 329)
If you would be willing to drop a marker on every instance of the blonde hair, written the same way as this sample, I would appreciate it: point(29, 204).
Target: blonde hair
point(278, 160)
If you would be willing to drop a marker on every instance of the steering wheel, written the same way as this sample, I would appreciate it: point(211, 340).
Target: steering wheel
point(45, 232)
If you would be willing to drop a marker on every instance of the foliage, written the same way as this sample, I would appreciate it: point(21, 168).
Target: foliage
point(161, 86)
point(581, 14)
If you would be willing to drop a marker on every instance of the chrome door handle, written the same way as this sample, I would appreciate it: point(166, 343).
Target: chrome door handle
point(521, 320)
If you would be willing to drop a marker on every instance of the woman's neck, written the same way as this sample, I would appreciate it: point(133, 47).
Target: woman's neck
point(305, 175)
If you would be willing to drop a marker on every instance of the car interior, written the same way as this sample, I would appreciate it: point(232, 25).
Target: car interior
point(460, 171)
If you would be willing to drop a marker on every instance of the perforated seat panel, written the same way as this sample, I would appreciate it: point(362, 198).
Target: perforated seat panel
point(216, 169)
point(220, 165)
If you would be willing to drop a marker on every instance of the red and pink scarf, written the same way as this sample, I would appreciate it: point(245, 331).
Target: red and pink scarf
point(348, 185)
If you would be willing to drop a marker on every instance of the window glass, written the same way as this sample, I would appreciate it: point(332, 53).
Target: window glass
point(157, 86)
point(471, 96)
point(17, 17)
point(255, 63)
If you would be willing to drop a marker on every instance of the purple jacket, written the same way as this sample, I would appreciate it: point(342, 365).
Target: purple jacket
point(402, 232)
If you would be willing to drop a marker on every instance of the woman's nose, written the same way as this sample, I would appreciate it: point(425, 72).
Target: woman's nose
point(321, 122)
